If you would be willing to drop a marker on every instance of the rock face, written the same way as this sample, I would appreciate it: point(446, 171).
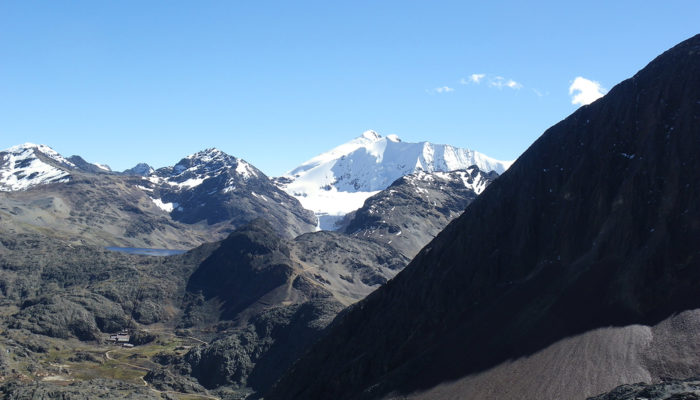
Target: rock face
point(409, 213)
point(597, 224)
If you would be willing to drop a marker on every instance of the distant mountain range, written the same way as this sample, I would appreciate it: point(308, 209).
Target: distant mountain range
point(207, 194)
point(200, 187)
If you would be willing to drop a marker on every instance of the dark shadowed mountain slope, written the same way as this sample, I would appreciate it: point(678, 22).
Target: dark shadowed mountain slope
point(270, 298)
point(416, 207)
point(597, 224)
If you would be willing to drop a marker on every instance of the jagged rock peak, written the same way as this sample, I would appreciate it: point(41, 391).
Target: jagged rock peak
point(141, 169)
point(209, 154)
point(208, 163)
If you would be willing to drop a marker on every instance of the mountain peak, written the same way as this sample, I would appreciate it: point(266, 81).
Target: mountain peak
point(207, 154)
point(44, 149)
point(28, 165)
point(141, 169)
point(371, 135)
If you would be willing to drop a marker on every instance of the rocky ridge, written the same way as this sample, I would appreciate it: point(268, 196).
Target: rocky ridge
point(409, 213)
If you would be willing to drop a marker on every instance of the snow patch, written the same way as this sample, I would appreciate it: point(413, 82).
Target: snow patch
point(190, 183)
point(244, 169)
point(167, 207)
point(259, 196)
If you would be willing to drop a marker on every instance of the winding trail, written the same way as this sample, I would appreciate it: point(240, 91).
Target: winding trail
point(151, 388)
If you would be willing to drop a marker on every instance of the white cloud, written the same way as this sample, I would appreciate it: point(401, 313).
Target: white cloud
point(501, 82)
point(444, 89)
point(513, 84)
point(476, 78)
point(584, 91)
point(473, 78)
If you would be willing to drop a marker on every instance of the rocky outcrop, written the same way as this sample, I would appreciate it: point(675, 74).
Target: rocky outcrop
point(409, 213)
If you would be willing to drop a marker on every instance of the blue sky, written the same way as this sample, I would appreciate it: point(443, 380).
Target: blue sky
point(120, 82)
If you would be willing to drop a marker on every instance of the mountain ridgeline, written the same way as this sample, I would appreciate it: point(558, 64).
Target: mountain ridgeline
point(593, 234)
point(202, 198)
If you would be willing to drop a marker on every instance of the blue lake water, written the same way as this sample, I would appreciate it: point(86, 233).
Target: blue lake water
point(146, 252)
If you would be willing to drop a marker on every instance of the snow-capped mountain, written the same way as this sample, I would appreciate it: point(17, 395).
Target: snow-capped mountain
point(194, 169)
point(339, 181)
point(215, 187)
point(28, 165)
